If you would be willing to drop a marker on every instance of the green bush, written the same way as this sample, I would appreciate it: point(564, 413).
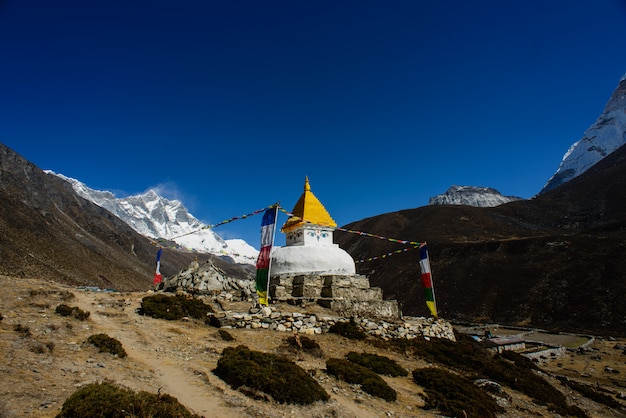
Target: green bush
point(348, 329)
point(379, 364)
point(353, 373)
point(282, 379)
point(98, 400)
point(454, 395)
point(73, 311)
point(226, 336)
point(107, 344)
point(173, 307)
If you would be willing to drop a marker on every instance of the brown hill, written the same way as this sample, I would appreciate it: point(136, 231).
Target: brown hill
point(556, 261)
point(48, 231)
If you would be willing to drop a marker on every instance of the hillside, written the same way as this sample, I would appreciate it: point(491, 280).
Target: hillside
point(48, 231)
point(557, 261)
point(45, 359)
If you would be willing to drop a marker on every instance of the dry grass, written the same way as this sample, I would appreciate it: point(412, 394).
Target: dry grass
point(178, 358)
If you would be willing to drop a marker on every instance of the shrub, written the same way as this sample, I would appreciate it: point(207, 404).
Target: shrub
point(173, 307)
point(353, 373)
point(226, 336)
point(106, 344)
point(469, 356)
point(275, 376)
point(73, 311)
point(378, 364)
point(520, 360)
point(106, 400)
point(348, 329)
point(22, 329)
point(213, 321)
point(454, 395)
point(37, 347)
point(304, 343)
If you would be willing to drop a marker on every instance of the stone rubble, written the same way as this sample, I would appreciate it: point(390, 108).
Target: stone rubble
point(206, 279)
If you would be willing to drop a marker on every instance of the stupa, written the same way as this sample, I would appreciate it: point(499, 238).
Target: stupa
point(311, 268)
point(309, 247)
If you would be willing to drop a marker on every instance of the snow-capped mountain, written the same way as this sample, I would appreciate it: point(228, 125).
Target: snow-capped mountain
point(156, 217)
point(471, 196)
point(606, 135)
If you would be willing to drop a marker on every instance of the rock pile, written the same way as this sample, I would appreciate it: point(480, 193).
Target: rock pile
point(206, 279)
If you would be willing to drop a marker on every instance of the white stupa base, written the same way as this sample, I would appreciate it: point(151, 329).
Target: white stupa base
point(311, 260)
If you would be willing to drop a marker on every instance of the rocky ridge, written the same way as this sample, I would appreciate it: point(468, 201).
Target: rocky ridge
point(481, 197)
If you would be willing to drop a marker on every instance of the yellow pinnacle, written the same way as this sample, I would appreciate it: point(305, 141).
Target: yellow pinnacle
point(308, 209)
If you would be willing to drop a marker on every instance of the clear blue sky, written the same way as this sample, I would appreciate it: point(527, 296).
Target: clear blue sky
point(229, 105)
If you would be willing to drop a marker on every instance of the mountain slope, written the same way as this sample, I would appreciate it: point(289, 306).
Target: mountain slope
point(156, 217)
point(48, 231)
point(606, 135)
point(556, 261)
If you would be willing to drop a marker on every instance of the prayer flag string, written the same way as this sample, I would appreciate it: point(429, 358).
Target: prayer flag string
point(400, 241)
point(256, 212)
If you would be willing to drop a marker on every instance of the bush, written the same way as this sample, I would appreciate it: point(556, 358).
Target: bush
point(226, 336)
point(173, 307)
point(454, 395)
point(275, 376)
point(107, 344)
point(378, 364)
point(353, 373)
point(22, 329)
point(106, 400)
point(213, 321)
point(304, 343)
point(519, 360)
point(73, 311)
point(348, 329)
point(469, 356)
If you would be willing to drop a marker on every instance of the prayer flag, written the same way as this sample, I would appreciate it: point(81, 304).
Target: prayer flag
point(157, 275)
point(427, 280)
point(268, 228)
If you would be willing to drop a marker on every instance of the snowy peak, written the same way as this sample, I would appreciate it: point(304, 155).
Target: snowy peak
point(606, 135)
point(471, 196)
point(155, 217)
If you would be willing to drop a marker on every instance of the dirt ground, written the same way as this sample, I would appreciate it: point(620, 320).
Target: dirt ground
point(45, 359)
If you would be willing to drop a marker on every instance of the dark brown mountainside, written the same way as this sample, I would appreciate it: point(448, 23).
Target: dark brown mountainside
point(49, 232)
point(557, 261)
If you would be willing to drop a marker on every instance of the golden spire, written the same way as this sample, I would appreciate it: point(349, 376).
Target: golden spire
point(308, 209)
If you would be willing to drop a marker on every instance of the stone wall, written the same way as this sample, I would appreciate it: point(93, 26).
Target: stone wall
point(295, 322)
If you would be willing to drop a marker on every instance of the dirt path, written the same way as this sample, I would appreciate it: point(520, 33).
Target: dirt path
point(181, 382)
